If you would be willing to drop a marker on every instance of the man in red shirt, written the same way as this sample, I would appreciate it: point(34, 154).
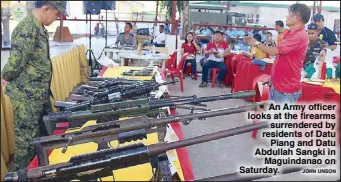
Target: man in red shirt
point(290, 54)
point(215, 51)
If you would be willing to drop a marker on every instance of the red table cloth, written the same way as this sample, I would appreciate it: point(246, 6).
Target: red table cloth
point(246, 73)
point(310, 94)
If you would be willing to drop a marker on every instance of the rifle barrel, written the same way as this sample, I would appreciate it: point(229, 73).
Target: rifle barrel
point(194, 100)
point(156, 149)
point(131, 125)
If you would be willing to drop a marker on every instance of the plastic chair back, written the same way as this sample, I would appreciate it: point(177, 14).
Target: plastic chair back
point(170, 63)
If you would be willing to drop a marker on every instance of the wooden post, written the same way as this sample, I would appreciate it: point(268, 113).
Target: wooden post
point(157, 10)
point(228, 5)
point(174, 6)
point(320, 8)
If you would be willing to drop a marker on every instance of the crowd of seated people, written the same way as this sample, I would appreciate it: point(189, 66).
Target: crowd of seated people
point(214, 51)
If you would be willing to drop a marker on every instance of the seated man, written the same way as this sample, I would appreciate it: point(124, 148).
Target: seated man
point(205, 32)
point(160, 40)
point(315, 45)
point(243, 46)
point(126, 38)
point(216, 51)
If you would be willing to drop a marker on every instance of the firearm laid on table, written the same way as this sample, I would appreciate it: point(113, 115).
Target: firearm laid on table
point(112, 111)
point(104, 83)
point(124, 130)
point(102, 163)
point(115, 94)
point(144, 72)
point(102, 86)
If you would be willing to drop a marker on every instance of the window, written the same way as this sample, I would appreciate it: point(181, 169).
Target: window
point(249, 18)
point(257, 18)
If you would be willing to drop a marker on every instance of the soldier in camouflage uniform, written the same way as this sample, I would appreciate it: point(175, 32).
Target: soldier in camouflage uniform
point(28, 73)
point(315, 45)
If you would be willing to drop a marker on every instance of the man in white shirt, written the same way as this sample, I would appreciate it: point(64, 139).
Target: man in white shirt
point(161, 38)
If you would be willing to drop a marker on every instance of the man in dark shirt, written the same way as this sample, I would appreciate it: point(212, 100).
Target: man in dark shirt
point(315, 45)
point(325, 33)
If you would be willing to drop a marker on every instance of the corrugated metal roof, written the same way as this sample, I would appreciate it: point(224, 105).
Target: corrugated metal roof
point(222, 5)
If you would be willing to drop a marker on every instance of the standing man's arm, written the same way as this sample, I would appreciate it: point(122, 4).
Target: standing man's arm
point(287, 45)
point(23, 43)
point(331, 41)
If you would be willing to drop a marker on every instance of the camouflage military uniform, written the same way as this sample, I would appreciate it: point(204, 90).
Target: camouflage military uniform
point(29, 73)
point(313, 51)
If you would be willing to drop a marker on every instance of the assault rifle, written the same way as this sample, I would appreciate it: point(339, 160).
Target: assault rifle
point(138, 73)
point(193, 100)
point(101, 163)
point(120, 93)
point(123, 130)
point(111, 111)
point(114, 79)
point(111, 83)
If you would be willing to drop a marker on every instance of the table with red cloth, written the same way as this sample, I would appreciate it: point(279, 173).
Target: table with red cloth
point(228, 80)
point(182, 153)
point(246, 72)
point(314, 94)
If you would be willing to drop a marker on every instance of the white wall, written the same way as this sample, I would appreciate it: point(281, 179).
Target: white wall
point(269, 15)
point(329, 18)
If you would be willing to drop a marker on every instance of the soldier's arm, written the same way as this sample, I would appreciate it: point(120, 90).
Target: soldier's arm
point(23, 43)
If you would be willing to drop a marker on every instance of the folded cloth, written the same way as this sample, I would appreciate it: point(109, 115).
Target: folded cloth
point(262, 64)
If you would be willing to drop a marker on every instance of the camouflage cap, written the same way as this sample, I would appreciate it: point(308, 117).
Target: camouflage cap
point(60, 6)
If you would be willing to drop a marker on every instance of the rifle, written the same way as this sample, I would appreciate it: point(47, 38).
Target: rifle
point(118, 79)
point(120, 93)
point(137, 73)
point(123, 130)
point(101, 163)
point(112, 111)
point(98, 85)
point(153, 104)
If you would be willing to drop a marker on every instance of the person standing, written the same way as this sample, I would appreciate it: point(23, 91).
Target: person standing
point(28, 75)
point(190, 47)
point(290, 54)
point(216, 51)
point(326, 34)
point(279, 27)
point(315, 45)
